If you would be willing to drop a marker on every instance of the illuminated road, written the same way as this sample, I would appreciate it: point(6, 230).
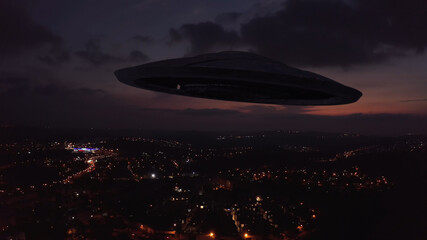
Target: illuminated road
point(91, 167)
point(135, 176)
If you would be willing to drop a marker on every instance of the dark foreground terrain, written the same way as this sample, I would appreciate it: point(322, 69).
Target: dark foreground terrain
point(263, 185)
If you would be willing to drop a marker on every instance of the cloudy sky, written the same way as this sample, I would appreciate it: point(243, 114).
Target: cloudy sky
point(57, 60)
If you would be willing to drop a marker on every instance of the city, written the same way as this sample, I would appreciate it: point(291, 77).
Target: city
point(263, 185)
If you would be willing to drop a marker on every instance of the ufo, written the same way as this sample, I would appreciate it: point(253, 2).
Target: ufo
point(238, 76)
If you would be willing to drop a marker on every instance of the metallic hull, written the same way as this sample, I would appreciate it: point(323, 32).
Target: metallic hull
point(238, 76)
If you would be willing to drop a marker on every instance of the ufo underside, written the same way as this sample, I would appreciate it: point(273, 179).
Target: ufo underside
point(238, 76)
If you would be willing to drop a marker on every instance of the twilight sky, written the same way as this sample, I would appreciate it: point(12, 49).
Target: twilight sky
point(57, 60)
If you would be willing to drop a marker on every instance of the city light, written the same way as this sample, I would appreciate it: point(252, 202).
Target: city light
point(85, 150)
point(188, 192)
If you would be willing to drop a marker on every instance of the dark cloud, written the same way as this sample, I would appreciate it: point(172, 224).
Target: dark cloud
point(322, 32)
point(228, 18)
point(20, 33)
point(331, 32)
point(259, 109)
point(303, 32)
point(55, 57)
point(94, 54)
point(137, 56)
point(205, 37)
point(12, 81)
point(88, 91)
point(208, 112)
point(415, 100)
point(268, 109)
point(53, 104)
point(143, 39)
point(175, 36)
point(27, 103)
point(54, 90)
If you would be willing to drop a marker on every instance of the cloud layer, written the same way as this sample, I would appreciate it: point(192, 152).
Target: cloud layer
point(55, 105)
point(49, 79)
point(320, 32)
point(19, 33)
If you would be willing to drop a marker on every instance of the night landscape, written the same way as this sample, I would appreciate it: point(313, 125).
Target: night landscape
point(242, 119)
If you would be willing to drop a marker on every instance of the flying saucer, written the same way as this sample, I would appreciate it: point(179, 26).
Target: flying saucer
point(238, 76)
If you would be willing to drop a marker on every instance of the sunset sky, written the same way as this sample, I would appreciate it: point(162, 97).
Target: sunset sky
point(58, 58)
